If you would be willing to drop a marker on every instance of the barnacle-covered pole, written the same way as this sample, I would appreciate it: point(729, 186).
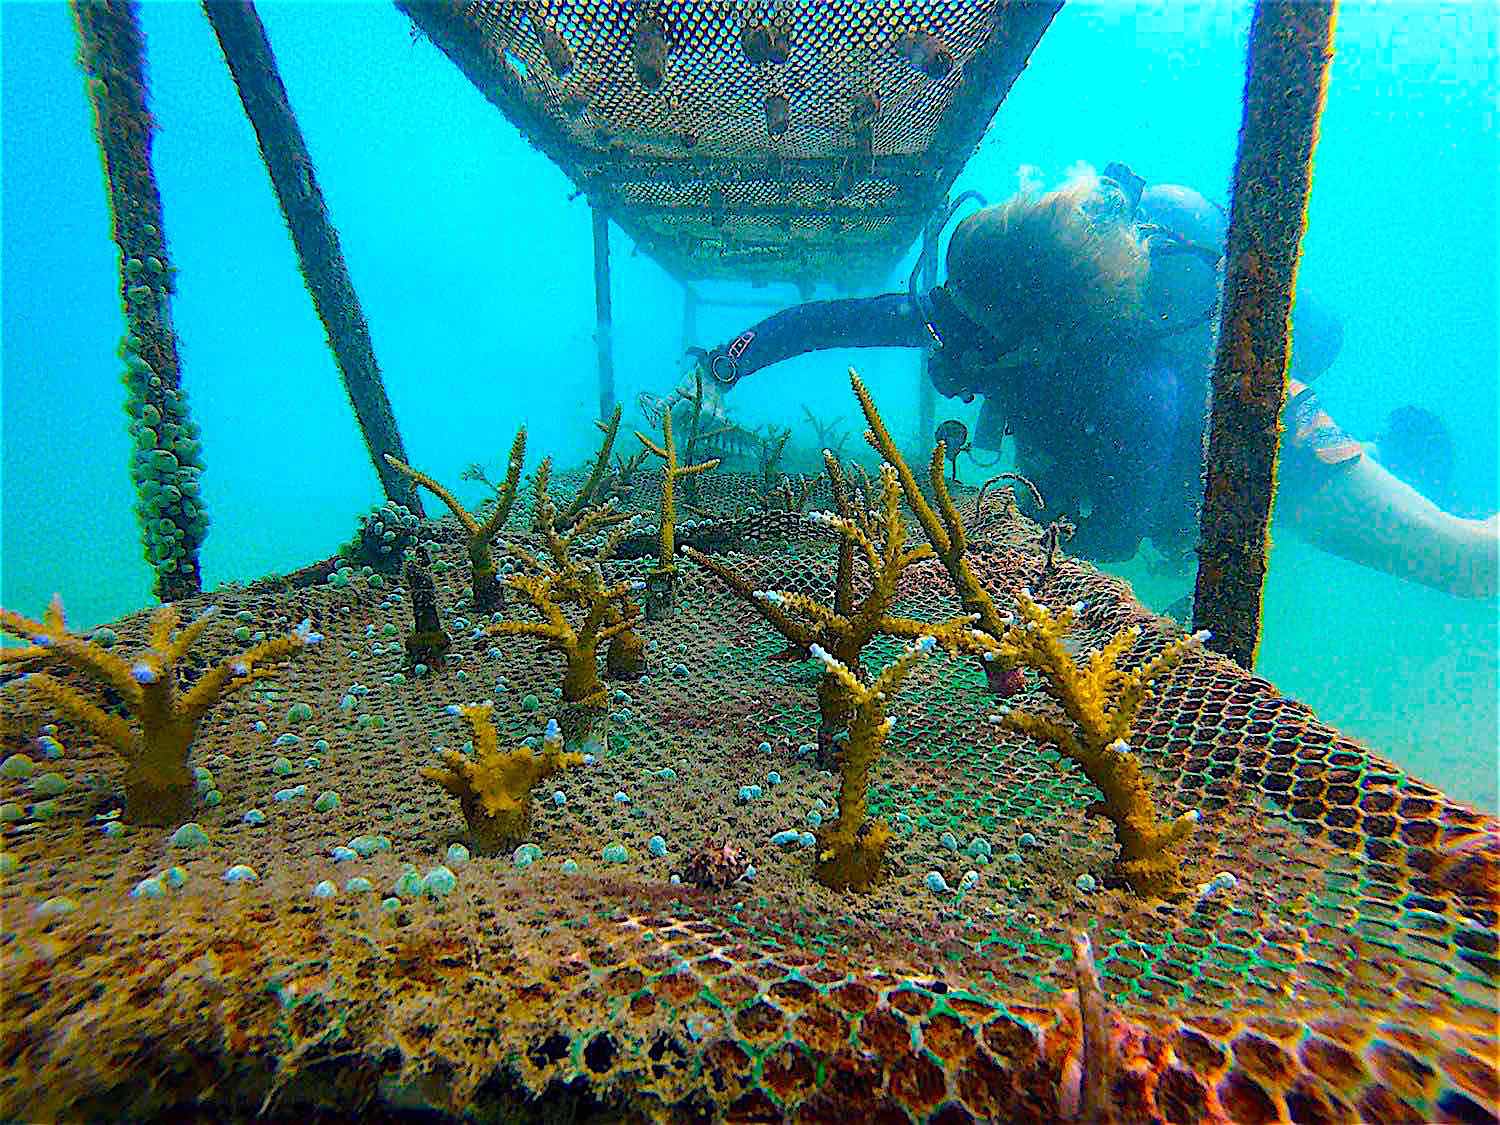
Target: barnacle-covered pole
point(1291, 45)
point(165, 462)
point(253, 67)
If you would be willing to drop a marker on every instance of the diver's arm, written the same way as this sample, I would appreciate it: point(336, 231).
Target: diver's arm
point(891, 320)
point(1364, 514)
point(1342, 500)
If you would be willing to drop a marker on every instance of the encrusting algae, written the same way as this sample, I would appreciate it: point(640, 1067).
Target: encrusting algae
point(158, 784)
point(494, 787)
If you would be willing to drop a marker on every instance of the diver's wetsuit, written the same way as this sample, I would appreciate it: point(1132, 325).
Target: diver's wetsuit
point(1120, 449)
point(891, 320)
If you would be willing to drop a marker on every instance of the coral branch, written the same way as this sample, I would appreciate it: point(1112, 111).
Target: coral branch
point(478, 536)
point(1101, 700)
point(945, 531)
point(851, 623)
point(850, 852)
point(158, 785)
point(587, 495)
point(494, 787)
point(660, 588)
point(563, 580)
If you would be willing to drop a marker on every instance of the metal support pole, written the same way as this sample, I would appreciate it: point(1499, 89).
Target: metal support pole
point(1291, 46)
point(926, 396)
point(284, 152)
point(604, 330)
point(164, 461)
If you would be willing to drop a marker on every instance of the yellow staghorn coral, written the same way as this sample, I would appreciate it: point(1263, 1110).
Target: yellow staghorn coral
point(588, 495)
point(1102, 699)
point(494, 786)
point(480, 535)
point(851, 850)
point(158, 784)
point(562, 580)
point(660, 586)
point(877, 536)
point(945, 531)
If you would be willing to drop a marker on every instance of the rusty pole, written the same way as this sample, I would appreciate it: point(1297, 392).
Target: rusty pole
point(1291, 46)
point(253, 67)
point(926, 394)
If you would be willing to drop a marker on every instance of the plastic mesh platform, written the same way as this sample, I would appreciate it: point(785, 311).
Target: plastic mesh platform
point(1349, 975)
point(793, 141)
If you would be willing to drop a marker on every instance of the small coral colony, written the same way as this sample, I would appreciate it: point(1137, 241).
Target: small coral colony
point(564, 602)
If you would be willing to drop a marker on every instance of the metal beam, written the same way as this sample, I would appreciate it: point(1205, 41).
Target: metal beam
point(1291, 47)
point(690, 302)
point(926, 395)
point(604, 319)
point(284, 152)
point(112, 52)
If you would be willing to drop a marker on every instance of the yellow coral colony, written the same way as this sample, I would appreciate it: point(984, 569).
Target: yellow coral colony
point(850, 852)
point(1102, 699)
point(487, 590)
point(564, 581)
point(588, 495)
point(660, 585)
point(494, 786)
point(944, 528)
point(158, 784)
point(878, 538)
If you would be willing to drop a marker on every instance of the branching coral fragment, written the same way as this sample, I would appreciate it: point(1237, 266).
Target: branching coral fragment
point(850, 852)
point(945, 531)
point(660, 587)
point(588, 495)
point(480, 533)
point(876, 537)
point(494, 786)
point(158, 784)
point(1101, 699)
point(562, 580)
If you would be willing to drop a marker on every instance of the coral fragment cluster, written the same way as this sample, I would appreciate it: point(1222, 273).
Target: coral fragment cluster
point(1101, 700)
point(494, 787)
point(158, 783)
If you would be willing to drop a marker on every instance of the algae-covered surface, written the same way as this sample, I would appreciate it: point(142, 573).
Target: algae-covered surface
point(1333, 959)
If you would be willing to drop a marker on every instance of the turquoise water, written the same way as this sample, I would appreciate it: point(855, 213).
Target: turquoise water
point(475, 276)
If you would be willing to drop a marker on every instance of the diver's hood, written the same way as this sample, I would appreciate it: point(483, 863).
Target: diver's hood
point(1181, 286)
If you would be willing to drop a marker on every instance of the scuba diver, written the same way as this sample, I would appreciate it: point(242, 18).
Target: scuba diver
point(1085, 317)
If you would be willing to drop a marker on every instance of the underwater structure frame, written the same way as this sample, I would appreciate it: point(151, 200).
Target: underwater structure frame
point(653, 790)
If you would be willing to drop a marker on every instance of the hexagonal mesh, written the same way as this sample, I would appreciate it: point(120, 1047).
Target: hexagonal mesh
point(1349, 974)
point(750, 141)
